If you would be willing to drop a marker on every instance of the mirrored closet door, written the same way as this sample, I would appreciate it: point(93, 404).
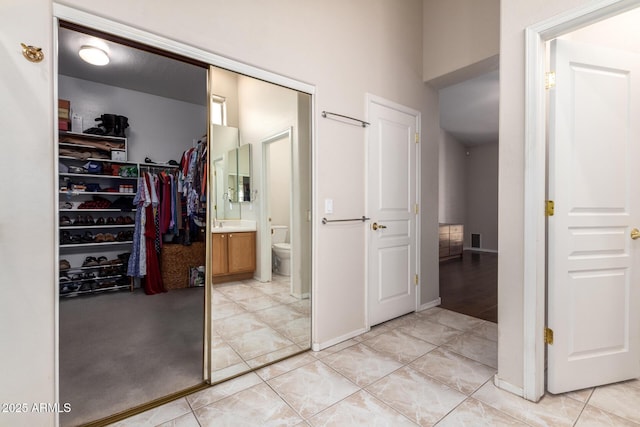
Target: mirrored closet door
point(260, 232)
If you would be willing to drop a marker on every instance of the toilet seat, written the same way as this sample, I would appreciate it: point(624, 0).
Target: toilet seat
point(283, 246)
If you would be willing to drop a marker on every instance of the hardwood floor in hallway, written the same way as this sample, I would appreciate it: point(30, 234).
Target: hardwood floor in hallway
point(470, 285)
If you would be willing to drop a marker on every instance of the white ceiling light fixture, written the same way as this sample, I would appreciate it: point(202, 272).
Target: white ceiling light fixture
point(93, 55)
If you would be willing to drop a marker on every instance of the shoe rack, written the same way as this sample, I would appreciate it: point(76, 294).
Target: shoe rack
point(96, 214)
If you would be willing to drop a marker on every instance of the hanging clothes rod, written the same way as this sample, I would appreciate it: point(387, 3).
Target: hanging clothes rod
point(362, 122)
point(363, 219)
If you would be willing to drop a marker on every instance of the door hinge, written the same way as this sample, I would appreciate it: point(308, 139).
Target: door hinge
point(548, 336)
point(417, 137)
point(550, 80)
point(415, 280)
point(416, 209)
point(549, 208)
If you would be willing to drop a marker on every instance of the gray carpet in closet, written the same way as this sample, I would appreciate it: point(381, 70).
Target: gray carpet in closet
point(119, 350)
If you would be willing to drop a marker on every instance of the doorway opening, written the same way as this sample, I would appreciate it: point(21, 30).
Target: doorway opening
point(468, 196)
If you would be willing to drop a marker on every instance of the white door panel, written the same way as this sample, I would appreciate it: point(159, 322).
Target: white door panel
point(594, 291)
point(391, 197)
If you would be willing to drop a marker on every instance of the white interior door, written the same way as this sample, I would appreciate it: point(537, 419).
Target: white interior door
point(593, 286)
point(392, 193)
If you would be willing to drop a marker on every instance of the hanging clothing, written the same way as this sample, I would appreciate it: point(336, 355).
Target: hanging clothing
point(153, 280)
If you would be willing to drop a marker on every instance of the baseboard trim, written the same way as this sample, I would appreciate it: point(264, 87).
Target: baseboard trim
point(338, 340)
point(436, 302)
point(493, 251)
point(506, 386)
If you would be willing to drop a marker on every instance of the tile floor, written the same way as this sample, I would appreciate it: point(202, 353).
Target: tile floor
point(429, 368)
point(256, 323)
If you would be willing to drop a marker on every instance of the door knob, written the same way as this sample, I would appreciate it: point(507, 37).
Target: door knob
point(375, 226)
point(635, 234)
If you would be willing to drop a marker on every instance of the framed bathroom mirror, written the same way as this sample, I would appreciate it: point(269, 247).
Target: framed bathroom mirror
point(224, 143)
point(239, 174)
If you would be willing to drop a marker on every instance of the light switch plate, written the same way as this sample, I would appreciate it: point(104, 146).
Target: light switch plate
point(328, 206)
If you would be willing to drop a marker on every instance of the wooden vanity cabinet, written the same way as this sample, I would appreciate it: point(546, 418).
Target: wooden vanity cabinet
point(233, 256)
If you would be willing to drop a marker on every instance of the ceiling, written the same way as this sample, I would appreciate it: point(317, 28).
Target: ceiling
point(133, 69)
point(469, 110)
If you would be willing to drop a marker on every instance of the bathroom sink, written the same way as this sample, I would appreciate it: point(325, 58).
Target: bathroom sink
point(234, 226)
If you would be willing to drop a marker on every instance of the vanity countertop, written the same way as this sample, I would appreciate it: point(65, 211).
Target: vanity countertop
point(233, 226)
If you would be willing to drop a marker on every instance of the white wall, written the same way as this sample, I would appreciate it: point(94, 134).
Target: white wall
point(461, 38)
point(481, 195)
point(27, 220)
point(452, 180)
point(345, 49)
point(159, 128)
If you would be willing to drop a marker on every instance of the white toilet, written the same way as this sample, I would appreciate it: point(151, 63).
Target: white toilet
point(281, 250)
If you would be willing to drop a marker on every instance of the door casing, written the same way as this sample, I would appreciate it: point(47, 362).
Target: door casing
point(534, 298)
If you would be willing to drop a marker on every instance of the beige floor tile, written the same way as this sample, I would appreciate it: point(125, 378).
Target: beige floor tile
point(361, 364)
point(551, 410)
point(239, 291)
point(279, 315)
point(256, 406)
point(488, 330)
point(622, 399)
point(223, 355)
point(157, 416)
point(187, 420)
point(455, 320)
point(595, 417)
point(228, 309)
point(285, 366)
point(229, 371)
point(222, 390)
point(252, 344)
point(475, 347)
point(415, 395)
point(360, 409)
point(432, 332)
point(302, 306)
point(374, 332)
point(267, 358)
point(402, 347)
point(230, 327)
point(473, 413)
point(297, 330)
point(580, 395)
point(334, 348)
point(257, 303)
point(312, 388)
point(458, 372)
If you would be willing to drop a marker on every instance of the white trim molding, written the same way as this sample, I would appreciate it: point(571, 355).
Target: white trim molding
point(535, 181)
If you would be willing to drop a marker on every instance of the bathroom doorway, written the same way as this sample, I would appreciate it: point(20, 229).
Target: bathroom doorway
point(276, 158)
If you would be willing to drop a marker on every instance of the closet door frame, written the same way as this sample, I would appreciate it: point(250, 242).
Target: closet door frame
point(76, 16)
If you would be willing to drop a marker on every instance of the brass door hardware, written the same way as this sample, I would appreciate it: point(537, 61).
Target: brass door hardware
point(32, 53)
point(635, 234)
point(375, 226)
